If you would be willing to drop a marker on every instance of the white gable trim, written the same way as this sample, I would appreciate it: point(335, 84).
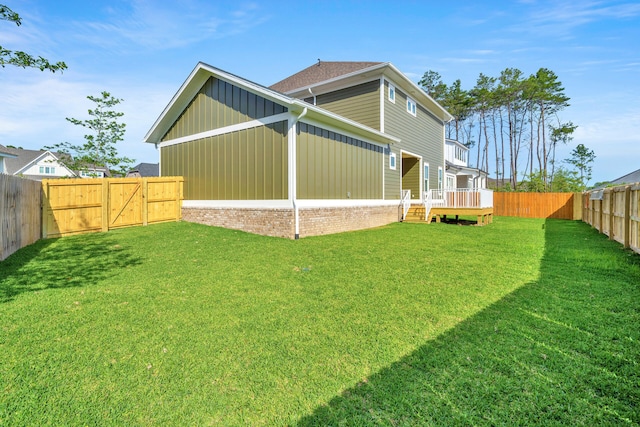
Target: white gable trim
point(41, 157)
point(202, 72)
point(228, 129)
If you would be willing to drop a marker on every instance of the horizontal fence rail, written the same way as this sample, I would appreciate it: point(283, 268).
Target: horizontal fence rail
point(538, 205)
point(615, 212)
point(20, 215)
point(73, 206)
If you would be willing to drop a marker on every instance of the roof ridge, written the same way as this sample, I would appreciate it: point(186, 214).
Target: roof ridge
point(319, 72)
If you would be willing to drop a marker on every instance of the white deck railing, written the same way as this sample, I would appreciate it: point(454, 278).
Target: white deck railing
point(462, 198)
point(406, 202)
point(428, 204)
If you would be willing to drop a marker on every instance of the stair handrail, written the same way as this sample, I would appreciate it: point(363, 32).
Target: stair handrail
point(406, 197)
point(427, 205)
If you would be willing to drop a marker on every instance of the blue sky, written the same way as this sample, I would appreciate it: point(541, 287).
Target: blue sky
point(142, 51)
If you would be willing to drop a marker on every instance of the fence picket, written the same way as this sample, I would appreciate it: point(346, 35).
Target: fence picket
point(20, 216)
point(615, 211)
point(537, 205)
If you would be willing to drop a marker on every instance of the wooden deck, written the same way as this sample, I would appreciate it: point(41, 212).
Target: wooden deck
point(484, 215)
point(416, 214)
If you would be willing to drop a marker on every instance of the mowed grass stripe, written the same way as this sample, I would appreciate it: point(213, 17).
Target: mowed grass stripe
point(182, 324)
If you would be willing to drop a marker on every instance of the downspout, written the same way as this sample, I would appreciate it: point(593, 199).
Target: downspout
point(314, 98)
point(296, 213)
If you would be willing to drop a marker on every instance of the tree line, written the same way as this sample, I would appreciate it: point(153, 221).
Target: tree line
point(512, 124)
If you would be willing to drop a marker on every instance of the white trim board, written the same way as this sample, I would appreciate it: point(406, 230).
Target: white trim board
point(287, 204)
point(228, 129)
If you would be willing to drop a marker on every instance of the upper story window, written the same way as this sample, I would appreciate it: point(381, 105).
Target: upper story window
point(411, 106)
point(47, 170)
point(425, 175)
point(392, 93)
point(392, 161)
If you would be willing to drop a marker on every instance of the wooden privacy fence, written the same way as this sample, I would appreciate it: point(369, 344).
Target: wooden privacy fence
point(615, 212)
point(538, 205)
point(20, 219)
point(72, 206)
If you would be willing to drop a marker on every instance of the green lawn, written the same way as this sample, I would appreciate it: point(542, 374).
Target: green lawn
point(519, 322)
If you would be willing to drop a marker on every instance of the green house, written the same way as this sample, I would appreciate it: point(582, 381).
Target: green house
point(338, 146)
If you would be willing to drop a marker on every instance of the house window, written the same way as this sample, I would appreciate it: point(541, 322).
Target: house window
point(440, 178)
point(47, 170)
point(392, 161)
point(426, 176)
point(392, 93)
point(451, 182)
point(92, 174)
point(411, 106)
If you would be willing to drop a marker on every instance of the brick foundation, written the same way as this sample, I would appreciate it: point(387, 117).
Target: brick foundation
point(318, 221)
point(280, 222)
point(276, 222)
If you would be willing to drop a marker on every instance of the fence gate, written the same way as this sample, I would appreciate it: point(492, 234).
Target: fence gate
point(72, 206)
point(125, 204)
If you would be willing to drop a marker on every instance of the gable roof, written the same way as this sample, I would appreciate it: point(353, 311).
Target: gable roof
point(146, 169)
point(4, 152)
point(202, 72)
point(21, 159)
point(338, 75)
point(629, 178)
point(320, 72)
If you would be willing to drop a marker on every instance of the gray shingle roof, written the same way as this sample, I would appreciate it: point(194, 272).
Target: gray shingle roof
point(23, 158)
point(319, 72)
point(629, 178)
point(146, 169)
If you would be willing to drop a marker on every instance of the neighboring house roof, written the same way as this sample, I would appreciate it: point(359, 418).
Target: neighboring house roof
point(145, 169)
point(5, 153)
point(320, 72)
point(630, 178)
point(22, 159)
point(346, 74)
point(464, 170)
point(202, 72)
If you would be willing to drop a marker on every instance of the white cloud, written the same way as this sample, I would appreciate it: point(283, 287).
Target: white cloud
point(560, 18)
point(160, 26)
point(34, 108)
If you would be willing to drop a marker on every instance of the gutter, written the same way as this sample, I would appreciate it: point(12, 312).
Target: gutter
point(294, 166)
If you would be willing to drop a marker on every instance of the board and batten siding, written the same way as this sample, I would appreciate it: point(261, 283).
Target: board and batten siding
point(422, 135)
point(360, 103)
point(334, 166)
point(219, 104)
point(250, 164)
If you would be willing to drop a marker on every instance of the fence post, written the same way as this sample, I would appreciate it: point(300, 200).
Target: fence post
point(105, 204)
point(179, 201)
point(577, 206)
point(45, 209)
point(600, 215)
point(145, 201)
point(627, 216)
point(612, 204)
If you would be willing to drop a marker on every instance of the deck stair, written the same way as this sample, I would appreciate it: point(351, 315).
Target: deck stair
point(415, 213)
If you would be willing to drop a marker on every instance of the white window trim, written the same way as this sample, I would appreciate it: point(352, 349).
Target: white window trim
point(46, 170)
point(392, 93)
point(425, 179)
point(393, 161)
point(411, 106)
point(440, 178)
